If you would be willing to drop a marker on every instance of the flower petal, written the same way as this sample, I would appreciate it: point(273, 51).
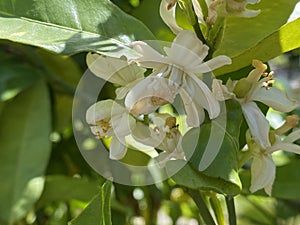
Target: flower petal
point(288, 147)
point(149, 57)
point(294, 136)
point(275, 98)
point(198, 11)
point(117, 149)
point(186, 51)
point(220, 91)
point(195, 115)
point(257, 123)
point(146, 96)
point(263, 171)
point(122, 124)
point(114, 70)
point(212, 64)
point(202, 95)
point(167, 12)
point(99, 111)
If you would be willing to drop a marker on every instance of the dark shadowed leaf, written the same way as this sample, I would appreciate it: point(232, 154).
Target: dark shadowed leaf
point(25, 148)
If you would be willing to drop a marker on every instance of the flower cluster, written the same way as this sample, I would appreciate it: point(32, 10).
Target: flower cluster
point(175, 74)
point(151, 80)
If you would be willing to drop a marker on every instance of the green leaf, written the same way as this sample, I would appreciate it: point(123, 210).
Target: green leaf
point(242, 33)
point(63, 74)
point(62, 188)
point(187, 176)
point(70, 26)
point(15, 77)
point(25, 148)
point(215, 153)
point(98, 211)
point(283, 40)
point(287, 187)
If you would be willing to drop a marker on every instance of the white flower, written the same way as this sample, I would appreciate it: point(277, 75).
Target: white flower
point(163, 135)
point(109, 119)
point(147, 95)
point(263, 168)
point(251, 89)
point(116, 71)
point(183, 60)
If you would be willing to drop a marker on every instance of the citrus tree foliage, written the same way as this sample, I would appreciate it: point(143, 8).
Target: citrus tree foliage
point(187, 79)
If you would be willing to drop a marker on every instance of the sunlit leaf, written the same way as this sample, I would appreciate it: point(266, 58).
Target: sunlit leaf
point(242, 34)
point(25, 148)
point(68, 27)
point(98, 211)
point(283, 40)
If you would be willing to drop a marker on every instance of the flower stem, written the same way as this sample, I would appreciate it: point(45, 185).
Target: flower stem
point(201, 204)
point(231, 210)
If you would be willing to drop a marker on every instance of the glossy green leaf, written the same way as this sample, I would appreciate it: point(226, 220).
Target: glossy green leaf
point(98, 211)
point(15, 77)
point(25, 148)
point(217, 145)
point(71, 26)
point(62, 188)
point(283, 40)
point(243, 33)
point(187, 176)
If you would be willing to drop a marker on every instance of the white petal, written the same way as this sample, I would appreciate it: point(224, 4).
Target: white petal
point(122, 124)
point(275, 98)
point(294, 136)
point(257, 123)
point(140, 99)
point(212, 64)
point(121, 92)
point(263, 171)
point(288, 147)
point(220, 91)
point(147, 136)
point(99, 111)
point(114, 70)
point(187, 51)
point(195, 116)
point(202, 95)
point(198, 11)
point(149, 57)
point(167, 12)
point(117, 149)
